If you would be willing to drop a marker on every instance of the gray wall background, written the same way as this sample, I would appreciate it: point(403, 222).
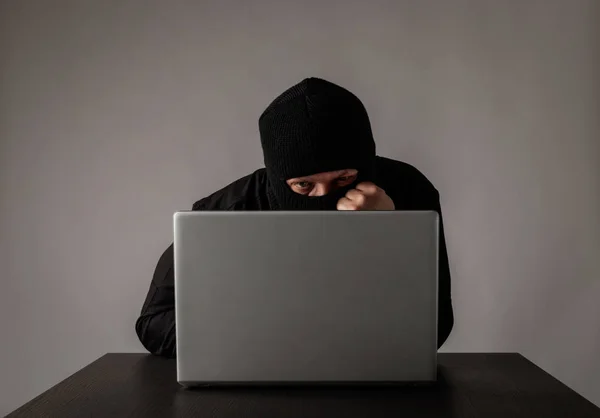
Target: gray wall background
point(115, 114)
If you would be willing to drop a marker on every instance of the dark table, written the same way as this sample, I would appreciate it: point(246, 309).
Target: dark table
point(470, 385)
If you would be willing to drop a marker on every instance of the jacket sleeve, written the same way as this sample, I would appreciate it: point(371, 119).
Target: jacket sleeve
point(156, 325)
point(445, 311)
point(425, 196)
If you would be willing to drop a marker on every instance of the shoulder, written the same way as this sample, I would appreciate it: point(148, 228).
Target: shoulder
point(246, 193)
point(404, 182)
point(403, 173)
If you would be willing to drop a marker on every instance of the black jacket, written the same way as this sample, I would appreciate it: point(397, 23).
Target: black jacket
point(408, 188)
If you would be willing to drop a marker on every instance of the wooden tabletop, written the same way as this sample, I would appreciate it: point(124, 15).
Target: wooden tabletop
point(470, 385)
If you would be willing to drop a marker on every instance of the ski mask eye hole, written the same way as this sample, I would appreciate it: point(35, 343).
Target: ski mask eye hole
point(322, 183)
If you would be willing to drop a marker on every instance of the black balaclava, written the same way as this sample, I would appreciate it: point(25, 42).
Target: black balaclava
point(314, 127)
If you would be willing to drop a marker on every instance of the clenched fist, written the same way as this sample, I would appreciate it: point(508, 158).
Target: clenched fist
point(366, 196)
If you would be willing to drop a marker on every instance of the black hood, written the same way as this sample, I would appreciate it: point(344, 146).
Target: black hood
point(314, 127)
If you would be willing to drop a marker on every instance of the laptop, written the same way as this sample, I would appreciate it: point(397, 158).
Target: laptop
point(281, 297)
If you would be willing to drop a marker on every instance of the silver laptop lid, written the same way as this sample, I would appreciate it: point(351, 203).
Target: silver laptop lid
point(276, 297)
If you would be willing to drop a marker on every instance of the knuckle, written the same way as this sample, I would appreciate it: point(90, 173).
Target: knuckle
point(369, 187)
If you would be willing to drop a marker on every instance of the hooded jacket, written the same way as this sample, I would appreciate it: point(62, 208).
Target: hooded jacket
point(408, 188)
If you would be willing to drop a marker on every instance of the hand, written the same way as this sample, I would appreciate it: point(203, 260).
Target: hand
point(366, 196)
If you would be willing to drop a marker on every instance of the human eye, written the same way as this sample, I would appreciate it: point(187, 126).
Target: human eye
point(302, 186)
point(345, 179)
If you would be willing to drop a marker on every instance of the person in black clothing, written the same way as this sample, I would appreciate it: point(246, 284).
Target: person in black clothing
point(319, 154)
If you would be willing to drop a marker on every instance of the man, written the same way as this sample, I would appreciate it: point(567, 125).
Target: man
point(319, 154)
